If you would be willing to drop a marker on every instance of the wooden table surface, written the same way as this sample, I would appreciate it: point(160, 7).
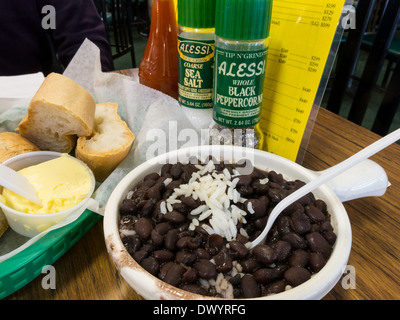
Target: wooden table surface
point(87, 272)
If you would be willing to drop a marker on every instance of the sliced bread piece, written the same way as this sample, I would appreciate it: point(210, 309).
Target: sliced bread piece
point(59, 111)
point(12, 144)
point(108, 145)
point(3, 223)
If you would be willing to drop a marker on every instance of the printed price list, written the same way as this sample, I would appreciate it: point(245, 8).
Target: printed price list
point(300, 39)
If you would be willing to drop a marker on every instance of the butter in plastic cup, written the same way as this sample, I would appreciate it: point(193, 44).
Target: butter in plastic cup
point(30, 224)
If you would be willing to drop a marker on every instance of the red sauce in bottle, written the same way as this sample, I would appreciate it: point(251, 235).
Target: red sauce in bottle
point(159, 66)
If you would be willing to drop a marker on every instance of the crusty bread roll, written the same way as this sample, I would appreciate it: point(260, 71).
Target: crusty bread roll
point(3, 223)
point(12, 144)
point(59, 111)
point(108, 145)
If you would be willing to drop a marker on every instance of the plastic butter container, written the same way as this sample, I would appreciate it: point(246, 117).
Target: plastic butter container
point(31, 224)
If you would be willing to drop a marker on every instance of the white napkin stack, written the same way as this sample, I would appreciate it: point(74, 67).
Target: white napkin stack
point(18, 90)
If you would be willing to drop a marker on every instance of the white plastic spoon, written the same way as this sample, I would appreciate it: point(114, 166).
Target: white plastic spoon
point(17, 183)
point(327, 175)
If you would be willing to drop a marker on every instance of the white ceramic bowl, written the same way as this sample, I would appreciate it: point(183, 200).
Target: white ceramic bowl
point(27, 224)
point(151, 287)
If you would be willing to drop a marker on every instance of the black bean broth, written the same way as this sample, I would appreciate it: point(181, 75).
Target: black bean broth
point(191, 225)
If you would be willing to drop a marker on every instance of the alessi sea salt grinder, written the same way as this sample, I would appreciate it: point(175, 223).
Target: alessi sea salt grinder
point(242, 31)
point(196, 37)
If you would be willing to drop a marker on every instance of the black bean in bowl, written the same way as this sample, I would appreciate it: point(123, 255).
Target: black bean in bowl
point(191, 225)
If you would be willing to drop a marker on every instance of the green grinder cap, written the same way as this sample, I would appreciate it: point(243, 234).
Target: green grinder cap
point(243, 19)
point(196, 13)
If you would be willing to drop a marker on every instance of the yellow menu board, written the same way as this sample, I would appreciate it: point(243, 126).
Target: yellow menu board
point(301, 36)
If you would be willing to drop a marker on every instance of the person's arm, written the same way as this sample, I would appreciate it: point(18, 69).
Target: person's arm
point(75, 21)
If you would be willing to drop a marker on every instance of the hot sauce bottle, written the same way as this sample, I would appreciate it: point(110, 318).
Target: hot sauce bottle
point(158, 68)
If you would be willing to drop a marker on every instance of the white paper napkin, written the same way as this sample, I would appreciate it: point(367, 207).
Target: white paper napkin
point(18, 90)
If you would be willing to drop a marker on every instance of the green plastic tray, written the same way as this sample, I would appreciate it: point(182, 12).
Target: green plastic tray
point(25, 266)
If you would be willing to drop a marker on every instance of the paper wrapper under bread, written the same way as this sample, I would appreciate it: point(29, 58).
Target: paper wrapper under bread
point(155, 119)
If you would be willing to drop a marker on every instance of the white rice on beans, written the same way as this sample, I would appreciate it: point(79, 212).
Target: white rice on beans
point(219, 194)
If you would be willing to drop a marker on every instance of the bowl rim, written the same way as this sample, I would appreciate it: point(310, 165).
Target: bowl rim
point(333, 269)
point(51, 155)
